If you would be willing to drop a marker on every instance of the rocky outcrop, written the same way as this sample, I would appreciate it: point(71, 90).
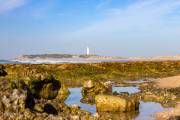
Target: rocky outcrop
point(46, 87)
point(2, 71)
point(167, 97)
point(19, 102)
point(111, 103)
point(92, 88)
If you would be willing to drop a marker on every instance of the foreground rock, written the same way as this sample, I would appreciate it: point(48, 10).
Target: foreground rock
point(92, 88)
point(46, 87)
point(20, 101)
point(111, 103)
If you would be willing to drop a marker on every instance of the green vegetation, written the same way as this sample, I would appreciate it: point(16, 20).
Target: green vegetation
point(76, 74)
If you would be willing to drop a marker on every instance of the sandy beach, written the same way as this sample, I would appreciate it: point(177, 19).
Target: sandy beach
point(169, 82)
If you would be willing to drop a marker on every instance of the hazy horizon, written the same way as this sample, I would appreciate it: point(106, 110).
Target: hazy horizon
point(108, 27)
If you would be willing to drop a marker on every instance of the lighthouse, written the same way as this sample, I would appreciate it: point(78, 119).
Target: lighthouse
point(87, 51)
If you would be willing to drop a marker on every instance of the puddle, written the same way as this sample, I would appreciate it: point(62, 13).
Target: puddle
point(130, 90)
point(135, 82)
point(146, 111)
point(75, 98)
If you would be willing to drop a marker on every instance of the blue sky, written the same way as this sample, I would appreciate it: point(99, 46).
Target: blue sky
point(108, 27)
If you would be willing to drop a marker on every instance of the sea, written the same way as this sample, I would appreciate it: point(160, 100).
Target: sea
point(9, 62)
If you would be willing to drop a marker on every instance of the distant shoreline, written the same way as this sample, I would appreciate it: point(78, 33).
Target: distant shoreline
point(69, 58)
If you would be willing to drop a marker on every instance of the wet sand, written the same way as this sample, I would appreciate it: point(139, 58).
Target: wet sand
point(173, 114)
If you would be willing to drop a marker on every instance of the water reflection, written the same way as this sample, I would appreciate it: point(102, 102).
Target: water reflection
point(75, 98)
point(130, 90)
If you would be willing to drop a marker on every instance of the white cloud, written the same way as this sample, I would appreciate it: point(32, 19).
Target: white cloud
point(9, 5)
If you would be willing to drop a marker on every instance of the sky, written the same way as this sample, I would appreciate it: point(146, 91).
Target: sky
point(108, 27)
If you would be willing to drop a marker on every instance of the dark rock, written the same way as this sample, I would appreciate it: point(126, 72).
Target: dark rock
point(1, 106)
point(2, 71)
point(50, 109)
point(174, 118)
point(2, 67)
point(45, 87)
point(29, 100)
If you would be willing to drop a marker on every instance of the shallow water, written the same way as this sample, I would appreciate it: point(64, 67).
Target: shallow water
point(130, 90)
point(75, 98)
point(146, 111)
point(135, 81)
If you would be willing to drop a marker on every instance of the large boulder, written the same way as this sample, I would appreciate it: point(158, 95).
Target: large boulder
point(46, 87)
point(111, 103)
point(92, 88)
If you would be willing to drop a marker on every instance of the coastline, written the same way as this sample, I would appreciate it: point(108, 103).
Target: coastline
point(74, 75)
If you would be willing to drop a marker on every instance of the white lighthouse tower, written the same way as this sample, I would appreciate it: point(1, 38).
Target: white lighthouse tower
point(87, 51)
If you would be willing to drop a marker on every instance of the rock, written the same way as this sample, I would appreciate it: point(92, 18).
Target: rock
point(50, 109)
point(49, 90)
point(52, 117)
point(39, 108)
point(108, 85)
point(63, 93)
point(110, 103)
point(174, 118)
point(46, 88)
point(29, 115)
point(91, 89)
point(2, 72)
point(74, 107)
point(75, 117)
point(96, 115)
point(1, 106)
point(2, 67)
point(119, 116)
point(17, 102)
point(88, 84)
